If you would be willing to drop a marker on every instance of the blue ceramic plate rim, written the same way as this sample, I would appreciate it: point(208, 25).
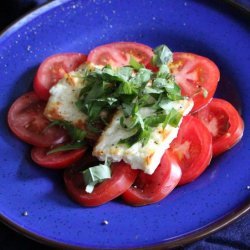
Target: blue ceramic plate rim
point(185, 239)
point(241, 4)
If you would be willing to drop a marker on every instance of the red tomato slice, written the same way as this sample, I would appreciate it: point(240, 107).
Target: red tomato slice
point(53, 69)
point(192, 148)
point(27, 122)
point(118, 54)
point(148, 189)
point(55, 160)
point(197, 77)
point(224, 123)
point(122, 178)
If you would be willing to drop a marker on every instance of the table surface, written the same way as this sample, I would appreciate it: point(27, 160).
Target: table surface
point(234, 236)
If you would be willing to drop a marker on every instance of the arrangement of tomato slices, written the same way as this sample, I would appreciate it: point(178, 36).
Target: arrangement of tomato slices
point(212, 127)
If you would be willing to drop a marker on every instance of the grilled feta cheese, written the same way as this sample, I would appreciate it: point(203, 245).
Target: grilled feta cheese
point(63, 96)
point(146, 157)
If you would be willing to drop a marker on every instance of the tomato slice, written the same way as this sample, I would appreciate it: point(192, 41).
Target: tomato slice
point(148, 189)
point(197, 77)
point(192, 148)
point(53, 69)
point(122, 178)
point(55, 160)
point(27, 122)
point(118, 54)
point(224, 123)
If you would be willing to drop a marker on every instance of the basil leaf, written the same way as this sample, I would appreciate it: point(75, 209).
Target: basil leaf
point(94, 175)
point(109, 100)
point(147, 100)
point(155, 120)
point(125, 73)
point(150, 90)
point(95, 92)
point(160, 83)
point(134, 64)
point(141, 135)
point(169, 84)
point(110, 75)
point(145, 135)
point(126, 88)
point(128, 123)
point(142, 76)
point(130, 140)
point(163, 71)
point(127, 109)
point(173, 118)
point(174, 97)
point(139, 120)
point(162, 55)
point(75, 133)
point(94, 110)
point(67, 147)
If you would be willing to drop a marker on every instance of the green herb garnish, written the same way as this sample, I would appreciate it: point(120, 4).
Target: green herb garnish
point(162, 55)
point(77, 137)
point(134, 64)
point(130, 89)
point(96, 174)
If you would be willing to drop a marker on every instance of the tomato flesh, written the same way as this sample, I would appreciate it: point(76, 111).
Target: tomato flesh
point(197, 77)
point(122, 178)
point(192, 148)
point(27, 122)
point(56, 160)
point(224, 123)
point(52, 69)
point(148, 189)
point(119, 53)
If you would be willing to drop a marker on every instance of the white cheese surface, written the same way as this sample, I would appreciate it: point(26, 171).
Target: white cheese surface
point(63, 96)
point(146, 157)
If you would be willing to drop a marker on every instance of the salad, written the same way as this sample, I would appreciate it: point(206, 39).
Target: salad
point(125, 120)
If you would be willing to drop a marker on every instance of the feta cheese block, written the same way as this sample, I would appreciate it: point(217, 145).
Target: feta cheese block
point(63, 96)
point(145, 157)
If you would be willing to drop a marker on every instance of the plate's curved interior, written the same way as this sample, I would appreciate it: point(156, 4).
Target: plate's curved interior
point(80, 26)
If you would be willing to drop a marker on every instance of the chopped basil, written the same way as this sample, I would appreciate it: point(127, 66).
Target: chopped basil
point(162, 55)
point(142, 76)
point(134, 64)
point(77, 137)
point(75, 133)
point(129, 89)
point(150, 90)
point(173, 118)
point(163, 71)
point(67, 147)
point(125, 72)
point(126, 88)
point(96, 174)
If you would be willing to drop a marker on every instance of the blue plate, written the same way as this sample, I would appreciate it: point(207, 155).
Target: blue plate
point(190, 212)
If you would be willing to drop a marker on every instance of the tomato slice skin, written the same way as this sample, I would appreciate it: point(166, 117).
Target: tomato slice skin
point(197, 77)
point(122, 178)
point(224, 123)
point(52, 69)
point(27, 122)
point(118, 54)
point(192, 148)
point(149, 189)
point(57, 160)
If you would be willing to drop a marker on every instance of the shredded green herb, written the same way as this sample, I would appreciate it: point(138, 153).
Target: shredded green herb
point(95, 175)
point(77, 137)
point(130, 88)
